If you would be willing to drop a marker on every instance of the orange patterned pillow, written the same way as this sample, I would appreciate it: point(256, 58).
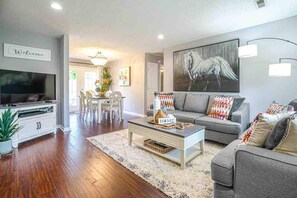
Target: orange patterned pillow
point(221, 107)
point(167, 100)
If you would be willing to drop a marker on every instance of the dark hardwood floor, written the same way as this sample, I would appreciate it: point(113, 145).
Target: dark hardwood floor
point(67, 165)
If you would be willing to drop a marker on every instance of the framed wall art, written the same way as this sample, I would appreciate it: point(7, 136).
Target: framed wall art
point(125, 76)
point(209, 68)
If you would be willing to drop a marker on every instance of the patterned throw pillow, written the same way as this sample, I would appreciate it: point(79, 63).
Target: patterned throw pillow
point(221, 107)
point(263, 128)
point(250, 130)
point(275, 108)
point(167, 100)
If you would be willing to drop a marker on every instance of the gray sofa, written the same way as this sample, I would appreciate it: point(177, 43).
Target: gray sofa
point(194, 108)
point(247, 171)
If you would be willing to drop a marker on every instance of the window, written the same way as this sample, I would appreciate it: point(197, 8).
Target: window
point(73, 88)
point(90, 78)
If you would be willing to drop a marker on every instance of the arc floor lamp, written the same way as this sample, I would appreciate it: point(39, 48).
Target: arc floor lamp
point(281, 68)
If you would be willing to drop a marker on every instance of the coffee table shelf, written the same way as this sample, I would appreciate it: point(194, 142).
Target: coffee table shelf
point(184, 141)
point(173, 155)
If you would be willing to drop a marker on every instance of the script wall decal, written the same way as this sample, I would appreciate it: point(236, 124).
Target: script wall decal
point(18, 51)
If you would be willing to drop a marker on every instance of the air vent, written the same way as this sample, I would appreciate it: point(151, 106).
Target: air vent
point(260, 3)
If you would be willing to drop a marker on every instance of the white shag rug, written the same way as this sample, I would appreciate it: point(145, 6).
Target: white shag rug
point(194, 181)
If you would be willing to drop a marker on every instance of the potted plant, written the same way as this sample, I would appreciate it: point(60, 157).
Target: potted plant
point(103, 85)
point(8, 127)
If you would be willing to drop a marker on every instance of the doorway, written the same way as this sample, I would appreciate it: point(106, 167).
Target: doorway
point(82, 76)
point(154, 75)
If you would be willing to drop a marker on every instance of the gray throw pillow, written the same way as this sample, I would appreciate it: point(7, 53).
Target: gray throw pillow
point(277, 133)
point(179, 101)
point(237, 102)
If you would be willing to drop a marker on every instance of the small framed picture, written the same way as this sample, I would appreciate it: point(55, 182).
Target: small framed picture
point(125, 76)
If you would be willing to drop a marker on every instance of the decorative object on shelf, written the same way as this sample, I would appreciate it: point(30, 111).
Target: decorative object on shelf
point(103, 85)
point(18, 51)
point(280, 69)
point(8, 127)
point(156, 105)
point(99, 59)
point(209, 68)
point(125, 76)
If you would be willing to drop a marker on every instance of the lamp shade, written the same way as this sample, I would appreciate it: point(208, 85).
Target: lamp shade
point(280, 69)
point(99, 59)
point(247, 51)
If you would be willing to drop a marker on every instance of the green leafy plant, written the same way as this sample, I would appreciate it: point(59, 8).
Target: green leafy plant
point(106, 80)
point(8, 125)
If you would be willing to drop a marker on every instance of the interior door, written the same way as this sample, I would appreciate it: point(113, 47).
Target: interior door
point(152, 81)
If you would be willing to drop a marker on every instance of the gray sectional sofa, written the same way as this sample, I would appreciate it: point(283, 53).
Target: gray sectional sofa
point(248, 171)
point(194, 108)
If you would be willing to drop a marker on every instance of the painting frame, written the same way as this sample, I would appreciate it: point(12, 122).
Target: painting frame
point(235, 65)
point(125, 76)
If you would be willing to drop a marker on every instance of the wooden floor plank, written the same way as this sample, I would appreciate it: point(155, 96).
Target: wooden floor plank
point(67, 165)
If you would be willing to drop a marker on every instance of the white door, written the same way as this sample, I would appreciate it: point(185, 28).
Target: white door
point(152, 81)
point(73, 90)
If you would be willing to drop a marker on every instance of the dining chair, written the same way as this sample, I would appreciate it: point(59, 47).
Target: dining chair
point(114, 105)
point(83, 106)
point(91, 106)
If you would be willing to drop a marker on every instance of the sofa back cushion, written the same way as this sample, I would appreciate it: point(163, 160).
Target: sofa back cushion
point(196, 103)
point(179, 101)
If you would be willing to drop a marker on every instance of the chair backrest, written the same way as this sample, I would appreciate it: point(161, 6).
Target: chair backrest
point(82, 98)
point(89, 96)
point(115, 98)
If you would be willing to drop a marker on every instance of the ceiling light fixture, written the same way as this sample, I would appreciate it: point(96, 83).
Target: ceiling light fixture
point(99, 59)
point(160, 36)
point(56, 6)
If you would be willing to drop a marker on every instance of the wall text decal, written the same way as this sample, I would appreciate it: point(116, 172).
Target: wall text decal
point(18, 51)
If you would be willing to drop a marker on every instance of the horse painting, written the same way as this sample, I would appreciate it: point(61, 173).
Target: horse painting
point(216, 66)
point(208, 68)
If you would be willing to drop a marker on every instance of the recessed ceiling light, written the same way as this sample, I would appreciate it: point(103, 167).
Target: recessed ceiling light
point(56, 6)
point(160, 36)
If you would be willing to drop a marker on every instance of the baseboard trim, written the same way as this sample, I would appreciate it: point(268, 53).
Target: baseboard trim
point(135, 114)
point(67, 129)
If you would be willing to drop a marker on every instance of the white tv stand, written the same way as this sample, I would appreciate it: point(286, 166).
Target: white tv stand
point(35, 120)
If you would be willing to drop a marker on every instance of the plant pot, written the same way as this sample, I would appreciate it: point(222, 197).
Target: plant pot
point(5, 147)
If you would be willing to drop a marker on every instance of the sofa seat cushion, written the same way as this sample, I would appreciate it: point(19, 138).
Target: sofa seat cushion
point(214, 124)
point(185, 116)
point(222, 165)
point(196, 103)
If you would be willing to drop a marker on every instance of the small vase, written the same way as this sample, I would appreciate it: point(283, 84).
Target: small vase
point(102, 94)
point(160, 114)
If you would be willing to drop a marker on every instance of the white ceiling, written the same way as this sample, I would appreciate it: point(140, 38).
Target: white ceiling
point(121, 27)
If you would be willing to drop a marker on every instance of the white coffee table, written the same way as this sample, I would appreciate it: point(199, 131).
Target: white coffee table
point(183, 140)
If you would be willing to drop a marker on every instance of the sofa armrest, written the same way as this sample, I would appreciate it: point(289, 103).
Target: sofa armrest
point(261, 172)
point(242, 116)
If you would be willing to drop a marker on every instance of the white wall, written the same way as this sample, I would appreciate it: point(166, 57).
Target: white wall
point(255, 84)
point(59, 50)
point(134, 101)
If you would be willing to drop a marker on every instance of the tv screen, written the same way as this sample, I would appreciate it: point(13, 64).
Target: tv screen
point(21, 87)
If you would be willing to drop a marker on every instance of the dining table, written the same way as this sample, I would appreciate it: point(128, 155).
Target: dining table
point(102, 99)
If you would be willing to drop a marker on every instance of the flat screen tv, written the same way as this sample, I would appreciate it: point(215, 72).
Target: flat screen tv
point(22, 87)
